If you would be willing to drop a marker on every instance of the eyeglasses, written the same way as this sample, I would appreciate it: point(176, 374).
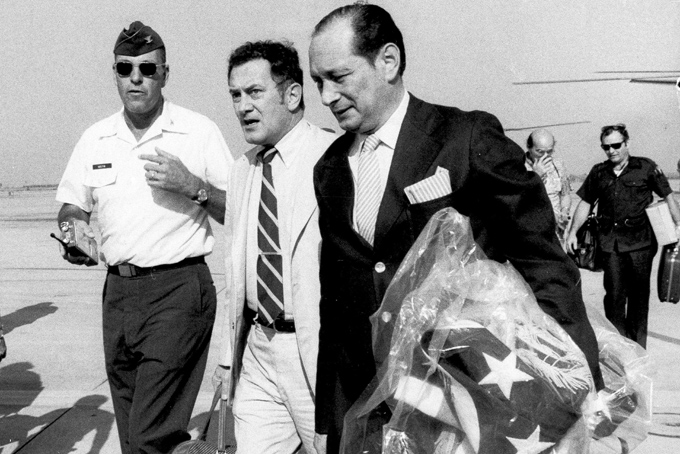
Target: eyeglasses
point(148, 69)
point(615, 146)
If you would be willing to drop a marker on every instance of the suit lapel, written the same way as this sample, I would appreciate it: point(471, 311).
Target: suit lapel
point(304, 203)
point(416, 149)
point(242, 193)
point(336, 182)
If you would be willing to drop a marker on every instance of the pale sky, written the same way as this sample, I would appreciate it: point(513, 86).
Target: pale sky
point(56, 77)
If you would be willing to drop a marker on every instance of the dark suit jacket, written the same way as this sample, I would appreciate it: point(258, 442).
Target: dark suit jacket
point(511, 217)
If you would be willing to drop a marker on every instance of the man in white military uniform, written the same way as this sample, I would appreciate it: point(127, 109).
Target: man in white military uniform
point(155, 172)
point(270, 346)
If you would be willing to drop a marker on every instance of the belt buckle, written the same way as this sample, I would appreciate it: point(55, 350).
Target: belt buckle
point(276, 325)
point(283, 325)
point(126, 270)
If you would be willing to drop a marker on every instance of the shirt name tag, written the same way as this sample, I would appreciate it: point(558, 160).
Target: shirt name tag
point(101, 166)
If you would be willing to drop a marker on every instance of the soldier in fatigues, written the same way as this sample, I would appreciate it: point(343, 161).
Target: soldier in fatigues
point(622, 186)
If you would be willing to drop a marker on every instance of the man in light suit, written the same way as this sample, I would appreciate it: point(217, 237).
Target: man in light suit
point(427, 157)
point(268, 365)
point(540, 159)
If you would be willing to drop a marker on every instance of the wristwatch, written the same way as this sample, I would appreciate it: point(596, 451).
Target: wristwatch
point(201, 197)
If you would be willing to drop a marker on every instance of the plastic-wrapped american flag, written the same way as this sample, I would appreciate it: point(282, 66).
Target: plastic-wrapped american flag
point(468, 362)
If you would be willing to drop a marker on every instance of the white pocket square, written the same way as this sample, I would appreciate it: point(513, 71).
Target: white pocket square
point(434, 187)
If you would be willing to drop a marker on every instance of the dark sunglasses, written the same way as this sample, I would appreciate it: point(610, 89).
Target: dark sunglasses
point(615, 146)
point(148, 69)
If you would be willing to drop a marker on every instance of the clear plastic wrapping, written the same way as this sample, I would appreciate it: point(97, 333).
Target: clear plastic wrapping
point(625, 416)
point(468, 362)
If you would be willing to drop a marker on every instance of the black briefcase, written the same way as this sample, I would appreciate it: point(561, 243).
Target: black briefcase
point(587, 253)
point(668, 278)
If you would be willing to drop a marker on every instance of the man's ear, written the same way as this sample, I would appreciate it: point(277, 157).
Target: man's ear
point(389, 60)
point(166, 75)
point(293, 96)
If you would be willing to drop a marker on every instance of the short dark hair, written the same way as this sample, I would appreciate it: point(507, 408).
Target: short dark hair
point(530, 141)
point(282, 57)
point(620, 128)
point(373, 28)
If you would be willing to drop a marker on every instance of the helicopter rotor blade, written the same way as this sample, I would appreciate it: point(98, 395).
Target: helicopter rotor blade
point(651, 81)
point(677, 71)
point(567, 81)
point(523, 128)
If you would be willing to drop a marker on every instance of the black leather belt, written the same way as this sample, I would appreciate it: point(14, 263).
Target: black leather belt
point(280, 325)
point(130, 270)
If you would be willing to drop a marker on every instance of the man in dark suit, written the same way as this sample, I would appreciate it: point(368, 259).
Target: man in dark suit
point(418, 158)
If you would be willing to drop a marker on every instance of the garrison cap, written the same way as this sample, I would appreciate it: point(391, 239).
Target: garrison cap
point(137, 40)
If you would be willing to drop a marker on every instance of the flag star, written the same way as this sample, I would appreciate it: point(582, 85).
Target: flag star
point(504, 373)
point(531, 445)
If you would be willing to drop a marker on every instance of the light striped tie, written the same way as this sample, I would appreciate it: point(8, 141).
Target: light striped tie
point(269, 261)
point(368, 189)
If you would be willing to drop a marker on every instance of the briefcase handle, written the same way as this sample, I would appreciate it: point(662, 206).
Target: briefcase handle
point(221, 422)
point(204, 431)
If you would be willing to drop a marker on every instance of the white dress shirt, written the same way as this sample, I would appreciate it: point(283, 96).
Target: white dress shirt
point(142, 225)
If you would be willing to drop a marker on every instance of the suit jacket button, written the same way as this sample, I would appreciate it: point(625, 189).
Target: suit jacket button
point(379, 267)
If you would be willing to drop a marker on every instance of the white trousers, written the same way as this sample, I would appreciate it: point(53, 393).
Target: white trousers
point(274, 404)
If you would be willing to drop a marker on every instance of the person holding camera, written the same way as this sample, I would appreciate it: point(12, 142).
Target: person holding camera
point(155, 172)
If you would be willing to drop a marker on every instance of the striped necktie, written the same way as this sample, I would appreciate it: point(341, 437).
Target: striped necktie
point(269, 261)
point(368, 189)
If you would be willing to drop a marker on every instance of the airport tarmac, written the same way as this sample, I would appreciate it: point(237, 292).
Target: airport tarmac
point(54, 397)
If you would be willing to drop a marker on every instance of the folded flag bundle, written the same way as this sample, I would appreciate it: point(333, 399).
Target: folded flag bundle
point(467, 361)
point(504, 405)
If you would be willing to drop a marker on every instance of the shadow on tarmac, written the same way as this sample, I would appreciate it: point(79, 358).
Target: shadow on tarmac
point(27, 315)
point(19, 430)
point(661, 337)
point(19, 376)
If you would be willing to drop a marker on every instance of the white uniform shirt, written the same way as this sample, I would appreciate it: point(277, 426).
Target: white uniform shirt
point(142, 225)
point(302, 141)
point(388, 135)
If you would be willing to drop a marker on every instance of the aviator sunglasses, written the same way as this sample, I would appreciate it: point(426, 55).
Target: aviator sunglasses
point(615, 146)
point(148, 69)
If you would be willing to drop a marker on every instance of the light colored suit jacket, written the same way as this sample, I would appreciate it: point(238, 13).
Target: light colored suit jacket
point(303, 264)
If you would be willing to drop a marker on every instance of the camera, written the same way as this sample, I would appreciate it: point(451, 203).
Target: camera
point(77, 243)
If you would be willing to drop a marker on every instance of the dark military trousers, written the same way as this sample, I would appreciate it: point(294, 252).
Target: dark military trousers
point(626, 283)
point(156, 335)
